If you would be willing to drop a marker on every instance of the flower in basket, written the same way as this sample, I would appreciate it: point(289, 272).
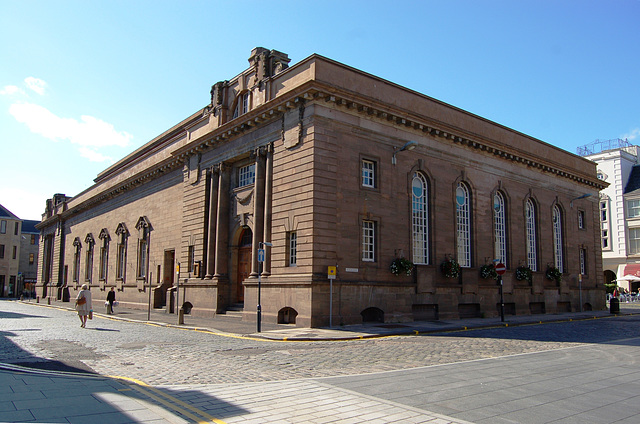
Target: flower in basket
point(553, 274)
point(450, 268)
point(488, 271)
point(401, 265)
point(524, 273)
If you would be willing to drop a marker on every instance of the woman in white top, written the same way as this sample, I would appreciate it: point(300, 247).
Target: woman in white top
point(83, 305)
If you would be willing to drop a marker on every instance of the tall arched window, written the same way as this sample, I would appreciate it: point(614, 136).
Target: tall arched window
point(420, 219)
point(463, 225)
point(500, 228)
point(532, 243)
point(557, 238)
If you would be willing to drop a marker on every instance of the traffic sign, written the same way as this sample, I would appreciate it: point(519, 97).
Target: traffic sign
point(260, 255)
point(501, 268)
point(331, 272)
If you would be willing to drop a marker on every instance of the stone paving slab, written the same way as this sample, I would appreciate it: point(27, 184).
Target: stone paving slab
point(116, 402)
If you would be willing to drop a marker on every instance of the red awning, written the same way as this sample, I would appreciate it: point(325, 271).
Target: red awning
point(632, 269)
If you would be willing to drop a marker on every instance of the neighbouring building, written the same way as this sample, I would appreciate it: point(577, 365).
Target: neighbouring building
point(9, 252)
point(617, 164)
point(28, 265)
point(290, 171)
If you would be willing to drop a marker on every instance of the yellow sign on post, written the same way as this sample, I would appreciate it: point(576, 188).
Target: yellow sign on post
point(331, 271)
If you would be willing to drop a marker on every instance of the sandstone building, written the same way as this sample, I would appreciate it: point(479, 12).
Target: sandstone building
point(323, 165)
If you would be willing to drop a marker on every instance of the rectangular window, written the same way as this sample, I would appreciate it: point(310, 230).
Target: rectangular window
point(191, 258)
point(142, 258)
point(368, 241)
point(368, 173)
point(633, 208)
point(15, 229)
point(605, 239)
point(247, 175)
point(15, 252)
point(104, 252)
point(88, 266)
point(3, 227)
point(32, 258)
point(245, 103)
point(583, 261)
point(634, 241)
point(120, 264)
point(1, 251)
point(604, 216)
point(293, 248)
point(76, 266)
point(581, 223)
point(33, 239)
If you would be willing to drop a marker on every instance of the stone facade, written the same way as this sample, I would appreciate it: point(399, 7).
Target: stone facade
point(324, 165)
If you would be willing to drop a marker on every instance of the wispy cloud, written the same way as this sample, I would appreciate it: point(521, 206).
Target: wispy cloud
point(36, 84)
point(632, 135)
point(89, 133)
point(8, 90)
point(94, 156)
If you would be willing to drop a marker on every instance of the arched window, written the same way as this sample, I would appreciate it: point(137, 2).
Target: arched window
point(499, 228)
point(420, 219)
point(463, 225)
point(557, 238)
point(532, 243)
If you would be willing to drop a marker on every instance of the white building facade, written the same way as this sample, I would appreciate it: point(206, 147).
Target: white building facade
point(619, 210)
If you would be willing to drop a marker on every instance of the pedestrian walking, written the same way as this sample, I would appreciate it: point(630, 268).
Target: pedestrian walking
point(111, 298)
point(83, 305)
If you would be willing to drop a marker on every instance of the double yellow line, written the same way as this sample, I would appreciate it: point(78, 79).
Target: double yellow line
point(170, 402)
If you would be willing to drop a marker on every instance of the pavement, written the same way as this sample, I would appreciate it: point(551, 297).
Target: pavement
point(49, 396)
point(234, 326)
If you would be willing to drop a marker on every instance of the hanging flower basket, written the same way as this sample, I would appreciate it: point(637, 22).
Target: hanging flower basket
point(553, 274)
point(524, 273)
point(450, 268)
point(488, 271)
point(401, 266)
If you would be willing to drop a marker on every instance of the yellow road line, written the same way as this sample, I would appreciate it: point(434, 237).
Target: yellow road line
point(169, 401)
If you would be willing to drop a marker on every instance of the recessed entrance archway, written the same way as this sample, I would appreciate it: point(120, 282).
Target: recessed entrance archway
point(244, 262)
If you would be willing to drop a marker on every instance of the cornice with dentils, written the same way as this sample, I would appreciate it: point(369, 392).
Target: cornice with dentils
point(316, 92)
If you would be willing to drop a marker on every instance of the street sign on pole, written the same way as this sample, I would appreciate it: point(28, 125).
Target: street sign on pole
point(331, 274)
point(500, 268)
point(260, 255)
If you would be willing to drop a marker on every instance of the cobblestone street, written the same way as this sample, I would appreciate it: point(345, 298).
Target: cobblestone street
point(562, 371)
point(161, 355)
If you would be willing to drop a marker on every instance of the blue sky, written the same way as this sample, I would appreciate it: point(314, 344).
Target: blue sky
point(84, 83)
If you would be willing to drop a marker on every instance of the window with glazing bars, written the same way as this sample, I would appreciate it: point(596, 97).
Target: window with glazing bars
point(532, 259)
point(368, 241)
point(463, 225)
point(293, 248)
point(247, 175)
point(420, 219)
point(368, 173)
point(557, 238)
point(500, 228)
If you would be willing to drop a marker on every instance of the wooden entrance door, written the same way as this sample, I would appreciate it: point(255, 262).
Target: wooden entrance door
point(244, 262)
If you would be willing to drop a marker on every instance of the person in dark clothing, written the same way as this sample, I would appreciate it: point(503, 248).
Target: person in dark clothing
point(111, 297)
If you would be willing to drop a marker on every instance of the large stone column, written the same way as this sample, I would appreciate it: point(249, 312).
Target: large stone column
point(258, 209)
point(213, 217)
point(222, 225)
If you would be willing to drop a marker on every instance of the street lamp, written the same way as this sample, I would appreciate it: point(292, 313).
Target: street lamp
point(261, 256)
point(409, 145)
